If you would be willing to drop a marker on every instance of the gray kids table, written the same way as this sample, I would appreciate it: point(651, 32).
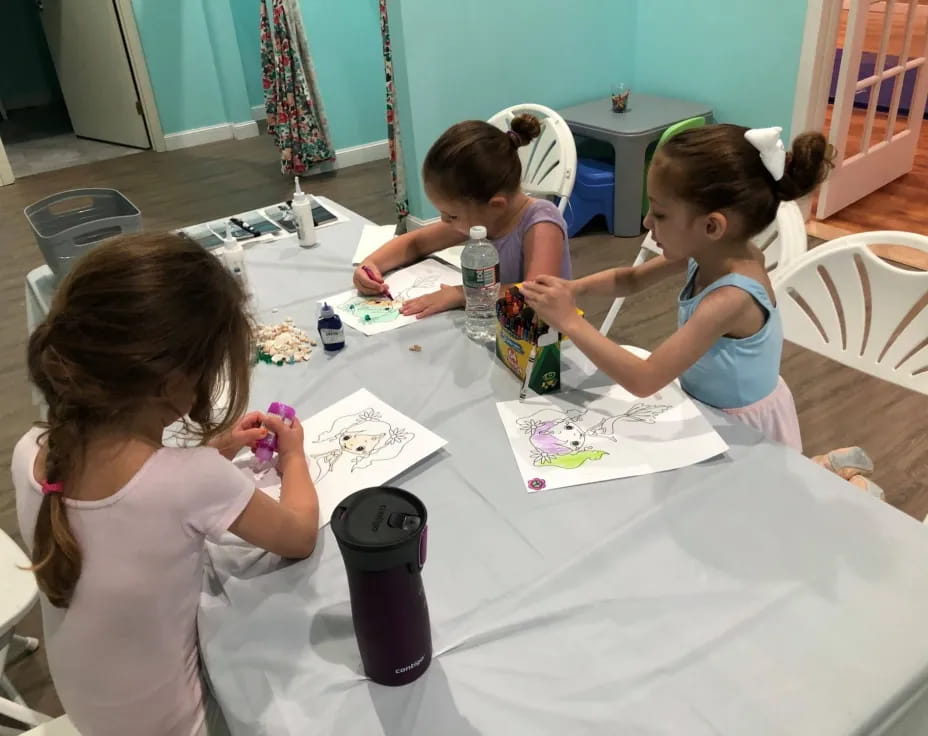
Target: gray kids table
point(630, 133)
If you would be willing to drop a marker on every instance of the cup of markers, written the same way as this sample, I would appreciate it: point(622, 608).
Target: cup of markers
point(526, 345)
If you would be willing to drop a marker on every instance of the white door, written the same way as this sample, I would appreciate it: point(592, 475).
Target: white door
point(887, 143)
point(86, 44)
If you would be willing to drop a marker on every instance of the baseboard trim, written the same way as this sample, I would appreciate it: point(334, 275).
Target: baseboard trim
point(248, 129)
point(363, 154)
point(414, 223)
point(198, 136)
point(345, 157)
point(258, 112)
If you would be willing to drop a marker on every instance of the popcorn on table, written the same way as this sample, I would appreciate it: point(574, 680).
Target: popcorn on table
point(284, 342)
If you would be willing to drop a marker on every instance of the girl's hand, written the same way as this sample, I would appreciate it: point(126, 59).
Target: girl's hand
point(553, 300)
point(447, 297)
point(246, 432)
point(289, 436)
point(370, 284)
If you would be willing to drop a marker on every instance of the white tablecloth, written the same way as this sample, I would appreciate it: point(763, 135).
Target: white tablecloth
point(753, 595)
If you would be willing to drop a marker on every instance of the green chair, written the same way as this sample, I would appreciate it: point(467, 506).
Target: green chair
point(673, 130)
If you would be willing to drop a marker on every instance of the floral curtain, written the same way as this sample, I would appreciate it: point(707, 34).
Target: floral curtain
point(295, 116)
point(393, 126)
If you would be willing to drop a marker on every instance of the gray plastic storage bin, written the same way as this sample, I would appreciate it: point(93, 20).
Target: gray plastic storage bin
point(68, 224)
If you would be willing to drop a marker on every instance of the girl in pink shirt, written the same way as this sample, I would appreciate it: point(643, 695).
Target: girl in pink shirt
point(145, 330)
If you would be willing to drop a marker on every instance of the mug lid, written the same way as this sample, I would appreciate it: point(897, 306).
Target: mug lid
point(378, 519)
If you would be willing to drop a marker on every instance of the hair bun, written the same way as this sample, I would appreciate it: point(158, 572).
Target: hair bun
point(526, 127)
point(807, 165)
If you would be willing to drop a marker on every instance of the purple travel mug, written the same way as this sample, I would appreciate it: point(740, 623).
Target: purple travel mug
point(382, 533)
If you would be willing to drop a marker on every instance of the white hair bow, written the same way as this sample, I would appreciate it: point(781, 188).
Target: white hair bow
point(772, 150)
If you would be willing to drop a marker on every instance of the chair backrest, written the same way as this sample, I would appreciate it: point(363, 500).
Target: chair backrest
point(785, 239)
point(844, 302)
point(549, 163)
point(782, 241)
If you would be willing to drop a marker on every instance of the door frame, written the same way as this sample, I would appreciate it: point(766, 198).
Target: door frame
point(816, 64)
point(6, 173)
point(139, 66)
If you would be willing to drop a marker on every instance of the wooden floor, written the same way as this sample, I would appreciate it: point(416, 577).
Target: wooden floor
point(837, 406)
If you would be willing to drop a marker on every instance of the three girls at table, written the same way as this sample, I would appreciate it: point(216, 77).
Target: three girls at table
point(148, 327)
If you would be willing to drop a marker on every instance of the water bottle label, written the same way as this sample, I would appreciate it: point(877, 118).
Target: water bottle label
point(477, 278)
point(329, 335)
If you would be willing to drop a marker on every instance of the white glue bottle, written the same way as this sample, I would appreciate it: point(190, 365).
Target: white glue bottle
point(303, 216)
point(234, 256)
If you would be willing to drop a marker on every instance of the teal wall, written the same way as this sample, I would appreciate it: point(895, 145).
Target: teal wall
point(246, 16)
point(27, 74)
point(344, 39)
point(739, 56)
point(457, 61)
point(178, 52)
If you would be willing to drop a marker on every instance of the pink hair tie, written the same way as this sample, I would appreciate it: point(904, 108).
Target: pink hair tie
point(50, 488)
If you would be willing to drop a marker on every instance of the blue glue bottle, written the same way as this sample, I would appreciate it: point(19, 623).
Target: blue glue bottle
point(331, 331)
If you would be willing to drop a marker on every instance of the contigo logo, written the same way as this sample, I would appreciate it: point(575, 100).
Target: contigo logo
point(378, 520)
point(401, 670)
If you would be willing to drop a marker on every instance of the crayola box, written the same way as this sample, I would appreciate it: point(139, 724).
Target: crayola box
point(517, 331)
point(515, 351)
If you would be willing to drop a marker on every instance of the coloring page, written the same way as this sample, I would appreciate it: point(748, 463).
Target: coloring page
point(360, 442)
point(372, 237)
point(375, 314)
point(604, 434)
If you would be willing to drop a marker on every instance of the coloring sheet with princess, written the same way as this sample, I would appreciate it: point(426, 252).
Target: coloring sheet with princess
point(603, 434)
point(356, 443)
point(375, 314)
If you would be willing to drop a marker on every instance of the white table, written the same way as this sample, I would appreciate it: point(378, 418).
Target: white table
point(755, 594)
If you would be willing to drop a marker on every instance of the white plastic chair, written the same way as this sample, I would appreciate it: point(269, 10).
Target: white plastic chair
point(843, 301)
point(782, 241)
point(20, 593)
point(549, 163)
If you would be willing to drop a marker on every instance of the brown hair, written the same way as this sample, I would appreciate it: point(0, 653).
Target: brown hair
point(476, 161)
point(134, 312)
point(716, 168)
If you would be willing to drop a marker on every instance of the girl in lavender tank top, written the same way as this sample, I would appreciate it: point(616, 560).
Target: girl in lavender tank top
point(473, 175)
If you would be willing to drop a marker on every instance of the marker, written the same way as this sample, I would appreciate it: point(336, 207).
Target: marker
point(528, 372)
point(370, 275)
point(245, 226)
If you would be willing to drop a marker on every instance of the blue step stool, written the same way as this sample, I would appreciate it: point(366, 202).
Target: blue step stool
point(594, 194)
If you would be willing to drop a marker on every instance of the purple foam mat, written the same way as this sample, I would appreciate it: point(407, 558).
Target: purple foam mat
point(867, 67)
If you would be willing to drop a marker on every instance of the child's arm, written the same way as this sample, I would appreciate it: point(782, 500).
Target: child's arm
point(625, 280)
point(553, 301)
point(543, 250)
point(401, 251)
point(288, 528)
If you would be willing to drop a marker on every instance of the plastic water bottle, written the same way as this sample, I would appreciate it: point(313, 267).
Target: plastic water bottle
point(480, 268)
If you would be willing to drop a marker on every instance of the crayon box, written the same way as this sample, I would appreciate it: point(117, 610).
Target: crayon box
point(514, 350)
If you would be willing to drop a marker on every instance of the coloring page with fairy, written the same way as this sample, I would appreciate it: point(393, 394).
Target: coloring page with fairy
point(361, 442)
point(611, 435)
point(375, 314)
